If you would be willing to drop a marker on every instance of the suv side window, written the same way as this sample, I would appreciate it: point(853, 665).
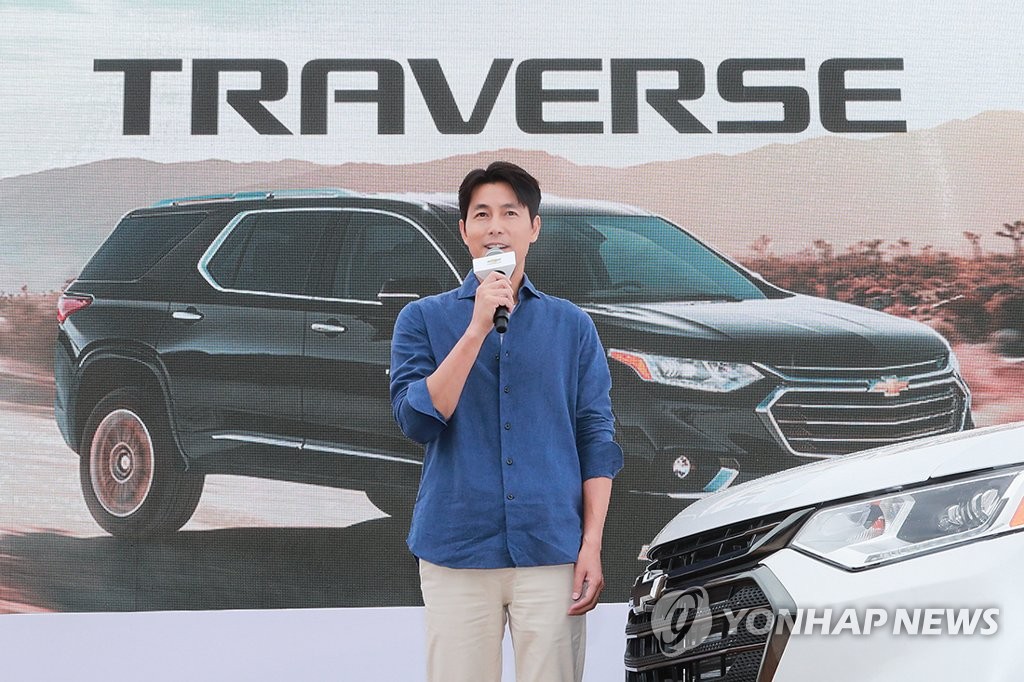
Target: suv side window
point(379, 247)
point(270, 252)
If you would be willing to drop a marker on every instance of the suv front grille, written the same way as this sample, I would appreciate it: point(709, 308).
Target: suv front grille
point(726, 655)
point(716, 548)
point(717, 561)
point(837, 412)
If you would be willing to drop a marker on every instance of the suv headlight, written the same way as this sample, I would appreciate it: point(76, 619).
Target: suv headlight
point(884, 529)
point(699, 375)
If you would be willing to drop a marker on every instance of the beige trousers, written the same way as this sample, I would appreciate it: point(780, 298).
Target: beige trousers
point(466, 612)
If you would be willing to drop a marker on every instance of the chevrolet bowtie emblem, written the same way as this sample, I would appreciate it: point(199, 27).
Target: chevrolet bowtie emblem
point(889, 386)
point(647, 591)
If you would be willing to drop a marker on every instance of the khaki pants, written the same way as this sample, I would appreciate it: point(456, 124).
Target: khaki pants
point(466, 612)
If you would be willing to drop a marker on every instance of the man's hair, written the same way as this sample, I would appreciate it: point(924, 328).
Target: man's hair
point(525, 186)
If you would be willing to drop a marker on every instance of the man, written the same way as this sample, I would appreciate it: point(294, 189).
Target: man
point(519, 453)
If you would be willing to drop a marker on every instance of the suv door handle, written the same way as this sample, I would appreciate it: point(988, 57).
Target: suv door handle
point(189, 314)
point(331, 327)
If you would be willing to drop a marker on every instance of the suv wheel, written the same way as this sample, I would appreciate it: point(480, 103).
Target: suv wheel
point(132, 474)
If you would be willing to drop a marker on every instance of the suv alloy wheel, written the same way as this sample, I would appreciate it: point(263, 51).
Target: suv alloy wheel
point(132, 473)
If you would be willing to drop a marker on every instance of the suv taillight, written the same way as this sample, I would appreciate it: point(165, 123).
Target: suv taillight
point(69, 303)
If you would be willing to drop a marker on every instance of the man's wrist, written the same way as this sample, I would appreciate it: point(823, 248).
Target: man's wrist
point(474, 335)
point(590, 542)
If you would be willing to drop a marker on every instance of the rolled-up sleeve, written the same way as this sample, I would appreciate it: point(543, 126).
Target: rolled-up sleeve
point(411, 363)
point(600, 455)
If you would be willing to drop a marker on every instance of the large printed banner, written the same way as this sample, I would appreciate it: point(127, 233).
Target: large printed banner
point(864, 155)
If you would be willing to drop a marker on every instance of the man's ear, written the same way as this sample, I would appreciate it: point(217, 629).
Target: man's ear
point(535, 229)
point(462, 231)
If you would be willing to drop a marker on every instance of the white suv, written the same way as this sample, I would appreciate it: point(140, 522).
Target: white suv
point(899, 563)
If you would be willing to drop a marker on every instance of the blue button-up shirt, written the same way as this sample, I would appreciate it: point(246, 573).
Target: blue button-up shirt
point(502, 481)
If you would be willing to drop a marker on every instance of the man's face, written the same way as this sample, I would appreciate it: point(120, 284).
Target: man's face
point(496, 219)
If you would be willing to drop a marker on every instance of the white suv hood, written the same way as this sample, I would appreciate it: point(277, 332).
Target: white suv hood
point(866, 472)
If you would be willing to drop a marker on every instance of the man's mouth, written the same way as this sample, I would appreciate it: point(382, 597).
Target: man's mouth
point(497, 245)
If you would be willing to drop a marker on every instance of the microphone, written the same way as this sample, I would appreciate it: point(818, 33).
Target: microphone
point(501, 319)
point(496, 260)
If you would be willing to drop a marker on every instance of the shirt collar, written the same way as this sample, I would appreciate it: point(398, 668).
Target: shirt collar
point(470, 284)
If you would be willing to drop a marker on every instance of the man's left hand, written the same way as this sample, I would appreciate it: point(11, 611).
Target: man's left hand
point(588, 580)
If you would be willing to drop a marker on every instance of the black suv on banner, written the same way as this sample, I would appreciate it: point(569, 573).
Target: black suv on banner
point(250, 334)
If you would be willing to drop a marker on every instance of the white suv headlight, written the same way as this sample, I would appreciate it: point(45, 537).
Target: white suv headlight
point(883, 529)
point(699, 375)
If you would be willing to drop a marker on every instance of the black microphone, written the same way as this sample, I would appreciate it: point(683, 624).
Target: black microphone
point(501, 319)
point(496, 260)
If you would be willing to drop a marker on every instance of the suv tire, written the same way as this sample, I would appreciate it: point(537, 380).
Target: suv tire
point(132, 472)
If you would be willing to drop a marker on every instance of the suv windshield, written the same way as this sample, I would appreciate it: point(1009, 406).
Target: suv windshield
point(630, 259)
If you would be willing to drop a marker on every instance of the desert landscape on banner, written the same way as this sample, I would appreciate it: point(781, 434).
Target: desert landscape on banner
point(926, 187)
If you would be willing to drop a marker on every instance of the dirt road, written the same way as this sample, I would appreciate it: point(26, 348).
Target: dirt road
point(251, 543)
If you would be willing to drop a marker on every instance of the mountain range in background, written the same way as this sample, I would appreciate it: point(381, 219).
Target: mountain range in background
point(926, 187)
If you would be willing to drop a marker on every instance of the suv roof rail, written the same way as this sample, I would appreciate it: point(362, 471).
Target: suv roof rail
point(258, 195)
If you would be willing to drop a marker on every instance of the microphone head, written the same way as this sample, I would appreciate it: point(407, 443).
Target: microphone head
point(496, 260)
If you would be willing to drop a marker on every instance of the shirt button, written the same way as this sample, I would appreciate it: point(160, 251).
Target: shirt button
point(510, 496)
point(506, 354)
point(507, 388)
point(497, 356)
point(508, 425)
point(508, 461)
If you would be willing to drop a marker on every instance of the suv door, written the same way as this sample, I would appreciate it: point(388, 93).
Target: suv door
point(234, 357)
point(348, 347)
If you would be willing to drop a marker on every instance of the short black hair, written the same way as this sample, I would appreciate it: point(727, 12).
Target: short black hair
point(525, 186)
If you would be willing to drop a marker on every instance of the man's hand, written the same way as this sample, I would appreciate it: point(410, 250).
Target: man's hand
point(588, 580)
point(495, 290)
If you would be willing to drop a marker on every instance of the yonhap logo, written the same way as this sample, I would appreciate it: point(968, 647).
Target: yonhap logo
point(682, 620)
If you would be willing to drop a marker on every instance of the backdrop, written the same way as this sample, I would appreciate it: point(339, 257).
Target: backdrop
point(865, 154)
